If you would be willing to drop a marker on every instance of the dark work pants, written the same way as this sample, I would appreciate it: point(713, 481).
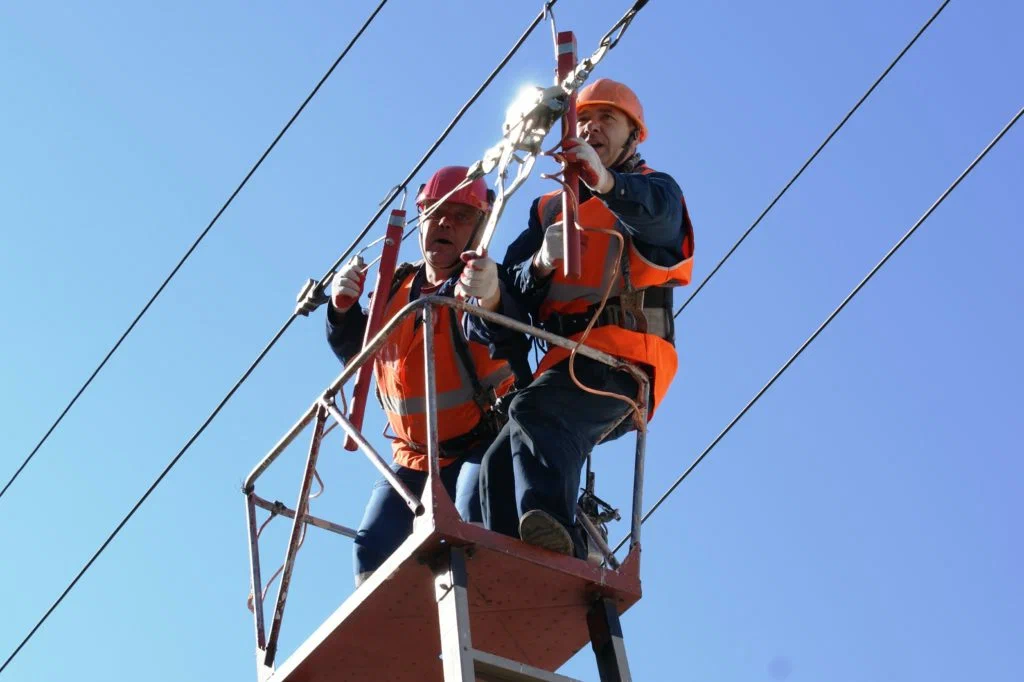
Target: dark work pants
point(387, 520)
point(536, 460)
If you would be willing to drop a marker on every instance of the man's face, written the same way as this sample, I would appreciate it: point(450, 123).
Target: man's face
point(604, 128)
point(446, 233)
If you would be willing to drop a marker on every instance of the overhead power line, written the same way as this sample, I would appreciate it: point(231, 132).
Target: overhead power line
point(828, 320)
point(191, 249)
point(274, 340)
point(812, 157)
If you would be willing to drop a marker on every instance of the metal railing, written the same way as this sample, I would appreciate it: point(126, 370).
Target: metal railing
point(325, 408)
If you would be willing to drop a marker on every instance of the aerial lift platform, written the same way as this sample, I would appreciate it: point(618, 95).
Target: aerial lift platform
point(454, 602)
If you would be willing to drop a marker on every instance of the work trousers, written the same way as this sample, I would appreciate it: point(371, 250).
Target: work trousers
point(388, 520)
point(536, 460)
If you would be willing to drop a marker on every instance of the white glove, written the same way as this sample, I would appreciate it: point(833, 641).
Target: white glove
point(480, 279)
point(592, 171)
point(347, 285)
point(552, 251)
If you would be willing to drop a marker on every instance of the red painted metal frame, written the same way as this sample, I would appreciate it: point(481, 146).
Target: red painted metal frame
point(571, 264)
point(385, 273)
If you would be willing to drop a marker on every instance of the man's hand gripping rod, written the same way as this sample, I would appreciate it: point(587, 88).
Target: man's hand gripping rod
point(385, 274)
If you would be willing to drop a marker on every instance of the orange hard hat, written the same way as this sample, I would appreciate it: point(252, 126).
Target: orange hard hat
point(605, 91)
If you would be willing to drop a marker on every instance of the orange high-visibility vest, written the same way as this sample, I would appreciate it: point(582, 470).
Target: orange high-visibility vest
point(650, 350)
point(399, 370)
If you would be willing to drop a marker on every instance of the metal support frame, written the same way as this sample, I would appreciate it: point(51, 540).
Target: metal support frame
point(606, 639)
point(294, 539)
point(452, 604)
point(451, 582)
point(279, 508)
point(430, 381)
point(636, 520)
point(256, 580)
point(595, 535)
point(461, 662)
point(375, 458)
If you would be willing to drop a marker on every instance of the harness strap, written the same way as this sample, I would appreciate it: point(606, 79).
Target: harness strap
point(483, 397)
point(648, 311)
point(486, 429)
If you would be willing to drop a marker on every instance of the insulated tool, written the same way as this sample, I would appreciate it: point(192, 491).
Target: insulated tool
point(570, 235)
point(385, 273)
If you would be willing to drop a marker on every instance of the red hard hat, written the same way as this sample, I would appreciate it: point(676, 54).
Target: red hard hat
point(614, 94)
point(448, 178)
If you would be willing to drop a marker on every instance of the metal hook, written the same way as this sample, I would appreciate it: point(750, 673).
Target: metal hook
point(405, 195)
point(390, 196)
point(549, 12)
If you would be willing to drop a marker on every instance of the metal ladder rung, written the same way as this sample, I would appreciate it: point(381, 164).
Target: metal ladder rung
point(491, 668)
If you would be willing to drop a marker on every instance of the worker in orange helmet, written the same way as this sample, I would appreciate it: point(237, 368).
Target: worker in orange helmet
point(530, 476)
point(468, 381)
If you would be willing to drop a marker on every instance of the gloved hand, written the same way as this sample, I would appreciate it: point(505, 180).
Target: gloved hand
point(347, 285)
point(480, 279)
point(552, 251)
point(592, 172)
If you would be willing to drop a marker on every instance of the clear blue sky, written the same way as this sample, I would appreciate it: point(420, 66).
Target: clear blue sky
point(863, 522)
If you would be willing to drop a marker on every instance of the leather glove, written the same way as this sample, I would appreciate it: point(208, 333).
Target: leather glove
point(347, 285)
point(480, 279)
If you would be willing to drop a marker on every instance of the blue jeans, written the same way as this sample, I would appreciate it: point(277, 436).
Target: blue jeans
point(387, 520)
point(536, 460)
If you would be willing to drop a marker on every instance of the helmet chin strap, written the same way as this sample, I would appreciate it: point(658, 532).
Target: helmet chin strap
point(475, 237)
point(625, 152)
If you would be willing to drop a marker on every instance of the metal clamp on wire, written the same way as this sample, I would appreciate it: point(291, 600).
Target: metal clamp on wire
point(532, 116)
point(311, 296)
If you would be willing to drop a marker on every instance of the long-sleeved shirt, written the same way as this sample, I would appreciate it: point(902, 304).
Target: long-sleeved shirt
point(649, 209)
point(345, 331)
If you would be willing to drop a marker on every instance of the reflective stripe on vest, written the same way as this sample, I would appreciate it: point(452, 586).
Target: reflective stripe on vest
point(399, 371)
point(569, 299)
point(564, 291)
point(447, 400)
point(567, 295)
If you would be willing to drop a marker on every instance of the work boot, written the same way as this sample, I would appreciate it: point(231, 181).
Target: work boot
point(540, 529)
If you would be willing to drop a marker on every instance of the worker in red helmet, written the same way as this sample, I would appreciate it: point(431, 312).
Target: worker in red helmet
point(468, 380)
point(530, 476)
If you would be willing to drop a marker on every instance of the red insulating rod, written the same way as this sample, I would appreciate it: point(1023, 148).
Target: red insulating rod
point(571, 266)
point(385, 273)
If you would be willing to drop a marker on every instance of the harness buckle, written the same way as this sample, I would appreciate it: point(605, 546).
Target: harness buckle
point(632, 305)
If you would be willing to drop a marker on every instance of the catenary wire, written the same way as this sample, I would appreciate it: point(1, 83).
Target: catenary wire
point(191, 249)
point(828, 320)
point(812, 157)
point(267, 348)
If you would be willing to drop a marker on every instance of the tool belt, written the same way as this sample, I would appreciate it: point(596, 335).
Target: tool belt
point(648, 311)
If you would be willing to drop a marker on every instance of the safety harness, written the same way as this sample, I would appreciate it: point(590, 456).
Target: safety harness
point(648, 310)
point(491, 419)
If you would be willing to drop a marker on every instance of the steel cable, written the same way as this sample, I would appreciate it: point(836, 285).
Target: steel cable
point(828, 320)
point(191, 249)
point(812, 157)
point(269, 346)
